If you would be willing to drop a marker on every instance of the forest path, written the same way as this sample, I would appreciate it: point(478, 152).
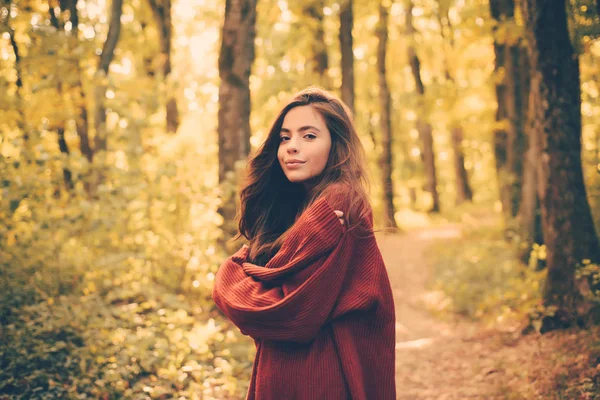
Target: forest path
point(435, 358)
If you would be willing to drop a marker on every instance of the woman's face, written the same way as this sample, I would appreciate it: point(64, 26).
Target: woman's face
point(304, 144)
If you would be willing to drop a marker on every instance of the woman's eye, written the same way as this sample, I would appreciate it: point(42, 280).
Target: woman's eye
point(284, 138)
point(310, 136)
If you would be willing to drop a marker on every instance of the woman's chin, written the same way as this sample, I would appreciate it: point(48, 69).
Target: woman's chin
point(293, 178)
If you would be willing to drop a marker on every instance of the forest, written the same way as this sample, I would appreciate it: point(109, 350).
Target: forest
point(125, 130)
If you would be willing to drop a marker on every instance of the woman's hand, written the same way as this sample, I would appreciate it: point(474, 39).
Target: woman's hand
point(340, 216)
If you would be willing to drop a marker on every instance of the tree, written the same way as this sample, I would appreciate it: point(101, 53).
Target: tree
point(162, 10)
point(235, 63)
point(81, 120)
point(463, 188)
point(511, 93)
point(346, 48)
point(529, 216)
point(424, 127)
point(313, 9)
point(106, 57)
point(60, 125)
point(386, 158)
point(567, 224)
point(22, 118)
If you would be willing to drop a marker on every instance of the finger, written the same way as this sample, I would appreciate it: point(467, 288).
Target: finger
point(342, 221)
point(338, 213)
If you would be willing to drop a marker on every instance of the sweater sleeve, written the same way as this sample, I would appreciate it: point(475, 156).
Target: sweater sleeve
point(254, 298)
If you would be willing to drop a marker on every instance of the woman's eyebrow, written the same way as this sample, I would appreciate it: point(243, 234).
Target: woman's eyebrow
point(302, 129)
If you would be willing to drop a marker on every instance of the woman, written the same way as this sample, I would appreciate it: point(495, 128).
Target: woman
point(311, 287)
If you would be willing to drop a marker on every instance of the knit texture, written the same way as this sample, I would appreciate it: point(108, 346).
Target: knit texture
point(320, 311)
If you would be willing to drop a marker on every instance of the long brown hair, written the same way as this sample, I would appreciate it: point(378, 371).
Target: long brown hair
point(270, 203)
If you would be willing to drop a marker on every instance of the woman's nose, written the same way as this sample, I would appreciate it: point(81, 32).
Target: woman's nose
point(292, 146)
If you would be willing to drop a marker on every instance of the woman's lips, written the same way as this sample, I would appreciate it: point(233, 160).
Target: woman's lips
point(294, 164)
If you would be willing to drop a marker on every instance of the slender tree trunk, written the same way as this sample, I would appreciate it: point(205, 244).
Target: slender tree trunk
point(64, 148)
point(529, 216)
point(60, 131)
point(108, 50)
point(386, 160)
point(567, 224)
point(463, 188)
point(501, 9)
point(346, 48)
point(511, 95)
point(162, 11)
point(517, 81)
point(22, 120)
point(235, 64)
point(320, 60)
point(424, 128)
point(81, 121)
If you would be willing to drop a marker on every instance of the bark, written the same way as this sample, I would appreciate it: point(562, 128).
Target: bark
point(162, 11)
point(106, 57)
point(320, 59)
point(511, 95)
point(19, 82)
point(64, 148)
point(386, 158)
point(518, 93)
point(424, 128)
point(82, 120)
point(346, 48)
point(463, 188)
point(529, 216)
point(500, 134)
point(62, 142)
point(235, 63)
point(567, 223)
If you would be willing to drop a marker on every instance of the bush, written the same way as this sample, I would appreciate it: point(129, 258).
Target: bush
point(484, 279)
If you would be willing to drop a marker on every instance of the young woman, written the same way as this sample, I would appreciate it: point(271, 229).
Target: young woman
point(311, 287)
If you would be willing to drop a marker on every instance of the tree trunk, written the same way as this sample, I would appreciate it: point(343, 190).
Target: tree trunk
point(346, 48)
point(424, 128)
point(320, 59)
point(386, 158)
point(463, 188)
point(21, 122)
point(529, 216)
point(161, 9)
point(517, 81)
point(81, 122)
point(106, 57)
point(567, 223)
point(502, 9)
point(235, 63)
point(64, 148)
point(60, 131)
point(511, 95)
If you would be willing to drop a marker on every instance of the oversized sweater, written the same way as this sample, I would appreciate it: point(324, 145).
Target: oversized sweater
point(320, 311)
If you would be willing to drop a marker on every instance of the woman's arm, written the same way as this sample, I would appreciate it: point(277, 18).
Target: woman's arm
point(254, 299)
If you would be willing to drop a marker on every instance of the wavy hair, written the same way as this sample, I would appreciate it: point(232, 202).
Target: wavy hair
point(270, 203)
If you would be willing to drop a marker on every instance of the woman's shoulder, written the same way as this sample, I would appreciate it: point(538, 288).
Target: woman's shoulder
point(339, 195)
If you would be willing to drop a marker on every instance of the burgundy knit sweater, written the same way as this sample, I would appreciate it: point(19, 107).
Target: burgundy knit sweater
point(321, 312)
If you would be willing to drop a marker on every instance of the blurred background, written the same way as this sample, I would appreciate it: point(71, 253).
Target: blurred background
point(125, 126)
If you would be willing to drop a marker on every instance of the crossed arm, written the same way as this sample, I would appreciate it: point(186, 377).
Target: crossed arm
point(256, 298)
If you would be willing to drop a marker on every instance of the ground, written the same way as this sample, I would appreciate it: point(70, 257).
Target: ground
point(451, 358)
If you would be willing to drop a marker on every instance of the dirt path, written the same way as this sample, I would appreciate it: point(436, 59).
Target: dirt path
point(435, 359)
